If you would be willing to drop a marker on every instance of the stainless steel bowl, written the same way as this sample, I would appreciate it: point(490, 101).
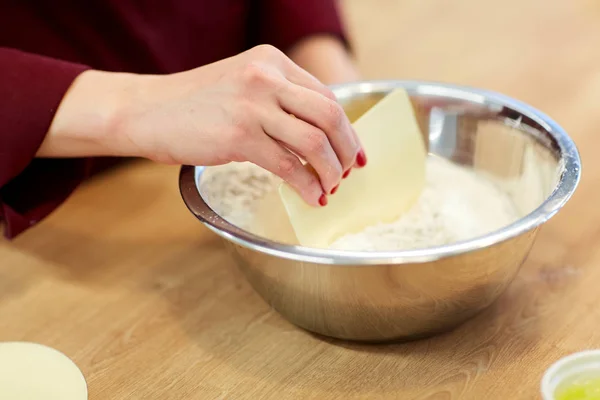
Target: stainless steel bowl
point(380, 296)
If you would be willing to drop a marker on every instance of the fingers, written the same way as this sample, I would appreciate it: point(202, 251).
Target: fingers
point(303, 78)
point(310, 143)
point(274, 87)
point(326, 115)
point(270, 155)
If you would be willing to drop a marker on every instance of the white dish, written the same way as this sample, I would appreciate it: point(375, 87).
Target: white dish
point(569, 368)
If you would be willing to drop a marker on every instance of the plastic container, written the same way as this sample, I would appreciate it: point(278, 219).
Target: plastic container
point(573, 377)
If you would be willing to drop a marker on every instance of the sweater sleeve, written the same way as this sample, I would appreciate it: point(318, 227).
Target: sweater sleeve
point(31, 88)
point(283, 23)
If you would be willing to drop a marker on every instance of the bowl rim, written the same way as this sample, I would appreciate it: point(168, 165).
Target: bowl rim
point(568, 182)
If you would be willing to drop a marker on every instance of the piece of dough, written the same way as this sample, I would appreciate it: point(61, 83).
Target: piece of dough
point(31, 371)
point(378, 193)
point(270, 220)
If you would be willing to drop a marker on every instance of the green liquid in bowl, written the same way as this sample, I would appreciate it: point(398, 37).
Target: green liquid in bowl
point(579, 389)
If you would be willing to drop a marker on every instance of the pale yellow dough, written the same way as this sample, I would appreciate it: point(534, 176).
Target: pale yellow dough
point(379, 193)
point(30, 371)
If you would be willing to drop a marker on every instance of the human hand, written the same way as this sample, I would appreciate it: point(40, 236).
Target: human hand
point(257, 106)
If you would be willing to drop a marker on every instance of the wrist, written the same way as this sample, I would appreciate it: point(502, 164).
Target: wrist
point(89, 119)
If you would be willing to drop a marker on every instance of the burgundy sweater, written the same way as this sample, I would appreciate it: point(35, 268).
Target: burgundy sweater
point(45, 44)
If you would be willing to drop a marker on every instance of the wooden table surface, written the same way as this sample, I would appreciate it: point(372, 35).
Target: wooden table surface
point(146, 301)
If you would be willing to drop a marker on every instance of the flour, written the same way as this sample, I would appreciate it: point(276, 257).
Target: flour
point(457, 204)
point(234, 190)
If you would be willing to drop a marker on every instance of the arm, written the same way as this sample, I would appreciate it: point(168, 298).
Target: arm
point(326, 58)
point(310, 32)
point(258, 106)
point(32, 88)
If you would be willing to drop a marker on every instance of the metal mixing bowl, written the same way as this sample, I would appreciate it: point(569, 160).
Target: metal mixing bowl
point(380, 296)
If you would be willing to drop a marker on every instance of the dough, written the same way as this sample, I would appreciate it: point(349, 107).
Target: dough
point(270, 220)
point(30, 371)
point(378, 193)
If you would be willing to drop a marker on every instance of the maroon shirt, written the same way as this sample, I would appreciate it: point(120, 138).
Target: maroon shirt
point(45, 44)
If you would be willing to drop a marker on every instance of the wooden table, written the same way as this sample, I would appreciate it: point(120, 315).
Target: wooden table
point(126, 282)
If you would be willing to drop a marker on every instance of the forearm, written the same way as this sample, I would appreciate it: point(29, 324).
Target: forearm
point(87, 120)
point(325, 57)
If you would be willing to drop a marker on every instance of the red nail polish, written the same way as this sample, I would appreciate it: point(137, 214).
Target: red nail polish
point(323, 200)
point(335, 189)
point(361, 159)
point(346, 174)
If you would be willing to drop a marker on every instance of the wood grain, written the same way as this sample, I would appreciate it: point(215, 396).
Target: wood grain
point(145, 300)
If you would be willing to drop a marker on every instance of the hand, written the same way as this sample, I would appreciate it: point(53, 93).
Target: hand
point(257, 106)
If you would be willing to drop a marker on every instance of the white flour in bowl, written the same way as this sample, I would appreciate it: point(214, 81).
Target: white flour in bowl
point(234, 190)
point(457, 204)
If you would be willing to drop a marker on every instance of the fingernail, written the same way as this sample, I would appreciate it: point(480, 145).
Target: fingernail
point(361, 159)
point(346, 174)
point(323, 200)
point(335, 189)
